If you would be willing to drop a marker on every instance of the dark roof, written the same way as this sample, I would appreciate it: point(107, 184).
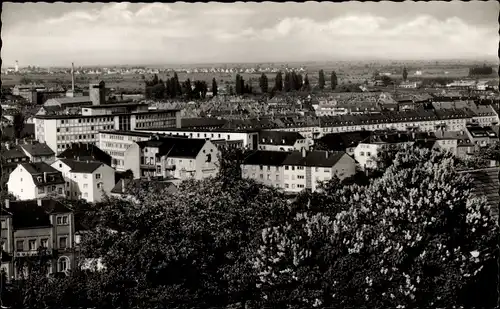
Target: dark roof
point(27, 214)
point(28, 130)
point(42, 169)
point(13, 153)
point(38, 149)
point(228, 130)
point(279, 138)
point(97, 116)
point(342, 141)
point(85, 167)
point(108, 105)
point(314, 158)
point(129, 133)
point(118, 188)
point(202, 122)
point(486, 183)
point(85, 152)
point(175, 146)
point(263, 157)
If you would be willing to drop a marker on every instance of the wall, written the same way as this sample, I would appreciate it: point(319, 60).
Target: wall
point(271, 175)
point(206, 169)
point(21, 184)
point(108, 182)
point(365, 154)
point(132, 160)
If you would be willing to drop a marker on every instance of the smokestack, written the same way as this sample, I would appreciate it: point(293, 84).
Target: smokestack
point(72, 77)
point(7, 203)
point(44, 176)
point(304, 152)
point(39, 202)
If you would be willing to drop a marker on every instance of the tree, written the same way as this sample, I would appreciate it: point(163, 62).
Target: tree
point(263, 83)
point(386, 80)
point(334, 80)
point(415, 237)
point(287, 84)
point(18, 123)
point(177, 85)
point(307, 86)
point(238, 86)
point(405, 74)
point(187, 90)
point(214, 87)
point(278, 83)
point(321, 81)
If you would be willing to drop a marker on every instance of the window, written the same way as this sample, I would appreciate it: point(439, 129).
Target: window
point(63, 264)
point(20, 245)
point(4, 224)
point(85, 186)
point(60, 190)
point(97, 176)
point(300, 177)
point(62, 242)
point(85, 194)
point(65, 219)
point(32, 244)
point(41, 190)
point(59, 220)
point(362, 153)
point(261, 176)
point(287, 185)
point(286, 167)
point(85, 176)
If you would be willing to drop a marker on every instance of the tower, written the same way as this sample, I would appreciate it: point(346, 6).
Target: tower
point(16, 68)
point(97, 93)
point(72, 77)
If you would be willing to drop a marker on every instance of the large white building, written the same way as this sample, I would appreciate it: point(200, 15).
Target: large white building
point(59, 131)
point(298, 170)
point(35, 180)
point(249, 137)
point(88, 180)
point(173, 157)
point(115, 143)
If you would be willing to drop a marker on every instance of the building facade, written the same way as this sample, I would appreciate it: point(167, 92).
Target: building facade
point(115, 143)
point(35, 180)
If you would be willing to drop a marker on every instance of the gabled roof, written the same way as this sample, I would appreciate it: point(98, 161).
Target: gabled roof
point(38, 149)
point(263, 157)
point(43, 174)
point(279, 138)
point(70, 100)
point(13, 153)
point(175, 146)
point(342, 141)
point(85, 152)
point(202, 122)
point(27, 214)
point(314, 158)
point(84, 167)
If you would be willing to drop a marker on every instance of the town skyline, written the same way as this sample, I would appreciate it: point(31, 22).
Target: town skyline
point(180, 33)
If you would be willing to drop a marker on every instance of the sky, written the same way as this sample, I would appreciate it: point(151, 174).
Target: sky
point(56, 34)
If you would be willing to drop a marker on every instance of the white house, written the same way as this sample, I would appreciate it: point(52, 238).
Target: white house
point(173, 157)
point(283, 141)
point(35, 180)
point(89, 180)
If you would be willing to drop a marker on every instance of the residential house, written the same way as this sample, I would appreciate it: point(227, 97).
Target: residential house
point(10, 158)
point(283, 141)
point(27, 226)
point(88, 180)
point(304, 169)
point(481, 136)
point(177, 157)
point(456, 142)
point(35, 180)
point(38, 152)
point(85, 152)
point(345, 141)
point(265, 166)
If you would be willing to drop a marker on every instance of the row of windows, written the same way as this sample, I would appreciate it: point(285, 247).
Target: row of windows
point(17, 160)
point(117, 145)
point(61, 147)
point(42, 190)
point(287, 167)
point(85, 120)
point(362, 153)
point(86, 128)
point(74, 137)
point(155, 116)
point(156, 124)
point(116, 153)
point(44, 242)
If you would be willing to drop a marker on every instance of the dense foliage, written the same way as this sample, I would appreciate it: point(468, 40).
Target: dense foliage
point(415, 236)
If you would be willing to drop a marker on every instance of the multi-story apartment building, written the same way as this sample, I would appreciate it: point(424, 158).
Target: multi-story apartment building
point(115, 143)
point(28, 225)
point(298, 170)
point(38, 152)
point(249, 137)
point(265, 167)
point(283, 141)
point(59, 131)
point(35, 180)
point(88, 180)
point(481, 136)
point(367, 151)
point(173, 157)
point(345, 141)
point(428, 121)
point(304, 169)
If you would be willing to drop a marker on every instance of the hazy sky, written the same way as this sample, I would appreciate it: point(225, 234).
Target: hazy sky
point(91, 34)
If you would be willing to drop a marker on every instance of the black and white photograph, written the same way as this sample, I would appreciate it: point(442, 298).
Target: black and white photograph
point(250, 155)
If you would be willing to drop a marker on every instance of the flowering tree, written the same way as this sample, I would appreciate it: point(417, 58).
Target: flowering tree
point(415, 237)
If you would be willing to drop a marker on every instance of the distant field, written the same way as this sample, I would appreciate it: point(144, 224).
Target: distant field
point(346, 73)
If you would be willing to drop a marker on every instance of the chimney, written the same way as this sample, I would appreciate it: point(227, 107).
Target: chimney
point(304, 152)
point(123, 185)
point(44, 176)
point(7, 203)
point(39, 202)
point(326, 154)
point(7, 146)
point(72, 77)
point(493, 163)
